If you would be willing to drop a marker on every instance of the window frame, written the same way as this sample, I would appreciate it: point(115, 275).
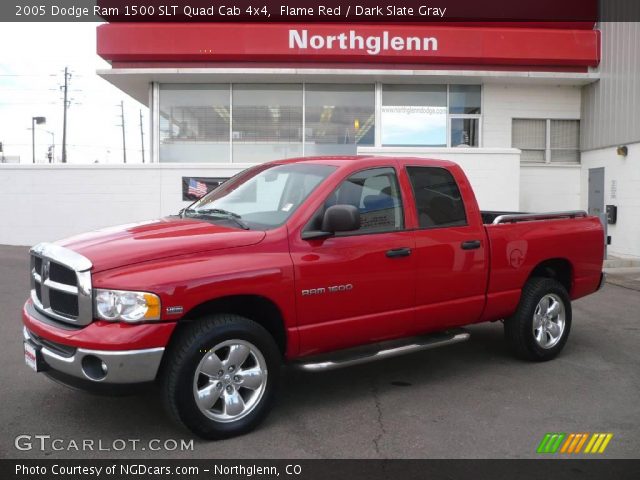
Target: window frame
point(548, 150)
point(415, 201)
point(449, 116)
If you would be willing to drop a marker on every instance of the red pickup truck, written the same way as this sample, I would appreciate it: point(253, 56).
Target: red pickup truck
point(316, 262)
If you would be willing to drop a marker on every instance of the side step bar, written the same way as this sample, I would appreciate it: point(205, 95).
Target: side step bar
point(379, 351)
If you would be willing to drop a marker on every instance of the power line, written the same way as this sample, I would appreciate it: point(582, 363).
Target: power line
point(67, 77)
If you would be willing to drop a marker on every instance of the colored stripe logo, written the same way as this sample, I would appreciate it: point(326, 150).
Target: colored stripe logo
point(573, 443)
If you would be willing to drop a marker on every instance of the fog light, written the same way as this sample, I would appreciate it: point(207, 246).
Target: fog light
point(94, 368)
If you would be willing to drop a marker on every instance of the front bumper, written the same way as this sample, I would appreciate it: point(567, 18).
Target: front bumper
point(100, 353)
point(113, 367)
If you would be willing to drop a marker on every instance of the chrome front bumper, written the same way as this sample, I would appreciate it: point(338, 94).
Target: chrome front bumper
point(101, 366)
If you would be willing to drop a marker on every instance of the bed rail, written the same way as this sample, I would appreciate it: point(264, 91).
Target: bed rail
point(523, 217)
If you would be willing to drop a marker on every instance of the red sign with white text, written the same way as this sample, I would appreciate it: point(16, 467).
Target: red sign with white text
point(388, 44)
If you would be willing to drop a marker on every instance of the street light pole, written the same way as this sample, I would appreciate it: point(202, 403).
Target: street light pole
point(35, 121)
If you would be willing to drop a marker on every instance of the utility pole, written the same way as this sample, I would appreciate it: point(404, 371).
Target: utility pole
point(65, 88)
point(124, 141)
point(141, 136)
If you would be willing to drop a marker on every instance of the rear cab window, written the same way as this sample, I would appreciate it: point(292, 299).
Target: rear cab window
point(438, 200)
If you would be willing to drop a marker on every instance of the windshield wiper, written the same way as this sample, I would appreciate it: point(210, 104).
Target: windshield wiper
point(219, 211)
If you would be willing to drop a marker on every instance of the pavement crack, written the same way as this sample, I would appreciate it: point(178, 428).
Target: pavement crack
point(380, 420)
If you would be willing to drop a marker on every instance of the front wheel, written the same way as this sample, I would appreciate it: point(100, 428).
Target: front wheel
point(540, 327)
point(221, 376)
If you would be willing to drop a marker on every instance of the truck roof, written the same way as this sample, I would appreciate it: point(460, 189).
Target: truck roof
point(339, 160)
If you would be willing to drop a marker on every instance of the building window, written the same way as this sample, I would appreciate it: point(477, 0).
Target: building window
point(194, 123)
point(414, 115)
point(253, 123)
point(431, 115)
point(464, 115)
point(338, 118)
point(546, 140)
point(267, 122)
point(565, 141)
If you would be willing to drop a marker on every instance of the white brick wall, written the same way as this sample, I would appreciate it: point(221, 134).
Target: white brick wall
point(542, 187)
point(49, 202)
point(625, 172)
point(503, 102)
point(548, 188)
point(494, 173)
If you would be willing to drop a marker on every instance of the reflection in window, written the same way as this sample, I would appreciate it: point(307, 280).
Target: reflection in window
point(464, 132)
point(194, 123)
point(338, 118)
point(267, 122)
point(414, 115)
point(375, 193)
point(464, 99)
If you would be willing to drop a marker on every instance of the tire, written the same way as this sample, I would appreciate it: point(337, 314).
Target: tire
point(240, 396)
point(540, 327)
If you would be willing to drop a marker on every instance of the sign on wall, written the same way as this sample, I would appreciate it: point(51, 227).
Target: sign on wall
point(194, 188)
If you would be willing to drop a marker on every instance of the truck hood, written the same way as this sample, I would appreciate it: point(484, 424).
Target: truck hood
point(167, 237)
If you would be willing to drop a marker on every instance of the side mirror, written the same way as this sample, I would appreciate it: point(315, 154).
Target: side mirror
point(341, 218)
point(338, 218)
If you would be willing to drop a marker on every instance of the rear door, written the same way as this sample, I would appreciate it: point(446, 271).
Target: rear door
point(357, 287)
point(451, 254)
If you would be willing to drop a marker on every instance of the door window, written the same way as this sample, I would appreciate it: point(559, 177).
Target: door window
point(376, 194)
point(438, 199)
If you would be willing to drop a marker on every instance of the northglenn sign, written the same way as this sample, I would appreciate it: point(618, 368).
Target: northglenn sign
point(185, 44)
point(371, 44)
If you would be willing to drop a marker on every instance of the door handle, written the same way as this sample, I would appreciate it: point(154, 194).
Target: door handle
point(470, 244)
point(399, 252)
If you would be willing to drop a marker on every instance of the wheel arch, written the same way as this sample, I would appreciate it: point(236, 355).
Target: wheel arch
point(559, 269)
point(258, 308)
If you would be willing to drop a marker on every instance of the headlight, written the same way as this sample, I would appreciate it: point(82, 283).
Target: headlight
point(120, 305)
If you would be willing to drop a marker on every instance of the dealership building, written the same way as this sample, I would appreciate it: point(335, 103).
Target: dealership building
point(541, 117)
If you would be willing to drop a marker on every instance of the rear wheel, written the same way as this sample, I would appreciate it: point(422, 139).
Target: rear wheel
point(221, 376)
point(540, 327)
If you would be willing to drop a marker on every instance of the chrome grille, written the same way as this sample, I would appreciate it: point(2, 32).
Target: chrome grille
point(61, 284)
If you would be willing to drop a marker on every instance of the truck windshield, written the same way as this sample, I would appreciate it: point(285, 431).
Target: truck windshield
point(262, 197)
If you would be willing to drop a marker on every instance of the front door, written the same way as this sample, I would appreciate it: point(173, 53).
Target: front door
point(357, 287)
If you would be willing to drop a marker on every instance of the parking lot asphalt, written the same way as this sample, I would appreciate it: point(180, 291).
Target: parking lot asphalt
point(470, 400)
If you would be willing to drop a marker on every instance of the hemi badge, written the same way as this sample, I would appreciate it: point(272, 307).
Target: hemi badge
point(174, 310)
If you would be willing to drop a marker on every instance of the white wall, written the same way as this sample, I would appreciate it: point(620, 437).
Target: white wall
point(503, 102)
point(624, 172)
point(494, 173)
point(548, 188)
point(49, 202)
